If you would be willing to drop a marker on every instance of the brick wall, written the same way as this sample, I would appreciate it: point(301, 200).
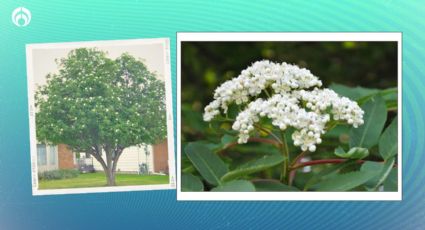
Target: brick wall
point(160, 157)
point(65, 157)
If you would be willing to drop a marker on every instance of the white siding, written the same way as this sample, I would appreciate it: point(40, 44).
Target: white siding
point(130, 160)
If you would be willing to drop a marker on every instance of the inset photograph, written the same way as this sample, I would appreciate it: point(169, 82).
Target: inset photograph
point(100, 116)
point(299, 116)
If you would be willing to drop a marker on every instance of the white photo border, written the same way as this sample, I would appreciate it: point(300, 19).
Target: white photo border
point(297, 37)
point(169, 110)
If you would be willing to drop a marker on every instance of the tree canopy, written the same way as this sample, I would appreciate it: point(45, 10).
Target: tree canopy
point(96, 103)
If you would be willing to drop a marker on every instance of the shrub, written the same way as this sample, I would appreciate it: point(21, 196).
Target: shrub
point(58, 174)
point(275, 121)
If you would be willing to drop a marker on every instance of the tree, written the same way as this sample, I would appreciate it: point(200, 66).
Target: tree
point(101, 106)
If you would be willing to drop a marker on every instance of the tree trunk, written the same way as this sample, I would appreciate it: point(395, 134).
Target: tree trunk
point(110, 176)
point(109, 164)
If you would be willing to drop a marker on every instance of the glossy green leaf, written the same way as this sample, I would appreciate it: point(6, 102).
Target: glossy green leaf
point(388, 142)
point(272, 186)
point(363, 95)
point(208, 164)
point(190, 183)
point(353, 93)
point(389, 94)
point(353, 153)
point(375, 167)
point(253, 166)
point(367, 135)
point(388, 166)
point(345, 182)
point(392, 105)
point(391, 183)
point(235, 186)
point(327, 173)
point(382, 170)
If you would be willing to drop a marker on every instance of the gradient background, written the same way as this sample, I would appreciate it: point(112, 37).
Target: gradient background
point(62, 21)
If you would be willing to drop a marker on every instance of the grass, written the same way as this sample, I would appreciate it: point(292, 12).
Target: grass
point(98, 179)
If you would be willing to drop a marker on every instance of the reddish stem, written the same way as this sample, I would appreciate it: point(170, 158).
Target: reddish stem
point(293, 173)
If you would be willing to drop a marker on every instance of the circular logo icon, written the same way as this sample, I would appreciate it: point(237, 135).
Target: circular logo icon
point(21, 16)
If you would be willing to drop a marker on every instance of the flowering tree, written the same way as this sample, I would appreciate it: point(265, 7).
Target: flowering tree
point(101, 106)
point(278, 101)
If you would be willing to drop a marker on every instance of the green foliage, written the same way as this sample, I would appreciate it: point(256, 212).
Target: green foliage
point(388, 141)
point(390, 184)
point(344, 182)
point(209, 165)
point(58, 174)
point(368, 134)
point(372, 166)
point(382, 171)
point(327, 173)
point(353, 153)
point(253, 166)
point(348, 159)
point(273, 186)
point(354, 93)
point(95, 104)
point(95, 100)
point(387, 168)
point(363, 95)
point(235, 186)
point(190, 182)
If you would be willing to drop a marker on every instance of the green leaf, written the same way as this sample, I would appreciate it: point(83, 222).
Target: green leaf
point(363, 95)
point(253, 166)
point(345, 182)
point(388, 166)
point(382, 171)
point(353, 153)
point(208, 164)
point(390, 184)
point(271, 186)
point(327, 173)
point(353, 93)
point(388, 141)
point(375, 116)
point(192, 120)
point(375, 167)
point(191, 183)
point(389, 94)
point(235, 186)
point(392, 105)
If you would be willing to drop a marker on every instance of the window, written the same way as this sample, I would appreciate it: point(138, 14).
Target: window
point(52, 155)
point(41, 155)
point(47, 155)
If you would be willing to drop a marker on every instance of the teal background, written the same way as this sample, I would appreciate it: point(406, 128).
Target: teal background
point(63, 21)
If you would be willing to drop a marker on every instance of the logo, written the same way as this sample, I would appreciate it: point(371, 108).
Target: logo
point(21, 17)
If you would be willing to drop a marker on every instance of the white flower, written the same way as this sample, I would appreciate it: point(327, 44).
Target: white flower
point(291, 104)
point(253, 80)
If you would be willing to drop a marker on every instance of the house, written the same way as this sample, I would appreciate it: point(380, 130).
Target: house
point(136, 159)
point(52, 157)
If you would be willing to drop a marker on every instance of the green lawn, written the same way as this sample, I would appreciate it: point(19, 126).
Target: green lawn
point(98, 179)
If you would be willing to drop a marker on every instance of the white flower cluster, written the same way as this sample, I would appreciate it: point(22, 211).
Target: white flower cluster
point(284, 112)
point(253, 80)
point(290, 105)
